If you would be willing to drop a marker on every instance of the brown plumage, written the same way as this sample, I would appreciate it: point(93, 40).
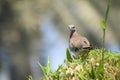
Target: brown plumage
point(76, 41)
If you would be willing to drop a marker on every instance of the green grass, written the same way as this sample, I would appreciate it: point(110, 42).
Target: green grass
point(88, 69)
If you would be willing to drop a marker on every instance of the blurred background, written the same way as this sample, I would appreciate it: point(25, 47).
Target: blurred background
point(32, 30)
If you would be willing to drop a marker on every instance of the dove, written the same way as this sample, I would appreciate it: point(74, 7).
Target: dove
point(77, 43)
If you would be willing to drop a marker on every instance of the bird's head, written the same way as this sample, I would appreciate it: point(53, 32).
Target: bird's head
point(72, 27)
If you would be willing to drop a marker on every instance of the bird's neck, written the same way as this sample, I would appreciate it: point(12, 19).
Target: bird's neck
point(72, 33)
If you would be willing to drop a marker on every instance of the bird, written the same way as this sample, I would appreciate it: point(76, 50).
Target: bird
point(77, 43)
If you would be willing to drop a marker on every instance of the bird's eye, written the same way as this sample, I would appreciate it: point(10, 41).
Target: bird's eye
point(73, 27)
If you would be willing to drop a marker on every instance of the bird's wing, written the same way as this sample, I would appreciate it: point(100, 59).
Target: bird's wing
point(86, 44)
point(85, 41)
point(76, 42)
